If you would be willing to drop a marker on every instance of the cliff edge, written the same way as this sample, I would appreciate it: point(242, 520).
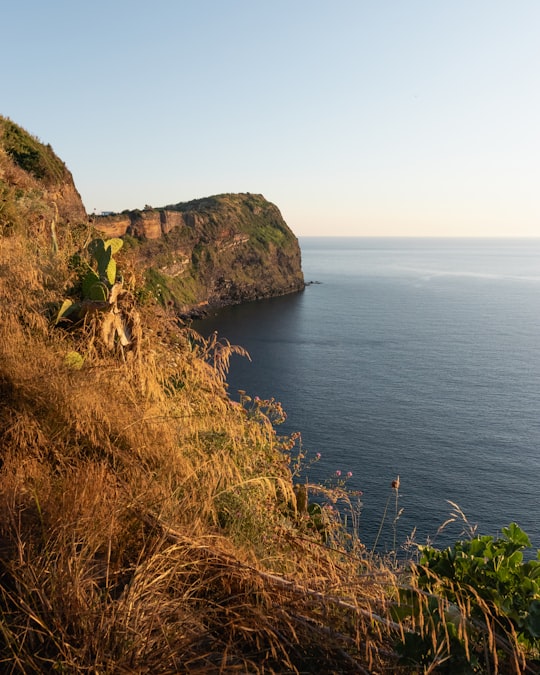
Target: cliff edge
point(212, 252)
point(35, 185)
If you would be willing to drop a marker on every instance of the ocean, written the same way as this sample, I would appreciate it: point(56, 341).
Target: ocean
point(410, 357)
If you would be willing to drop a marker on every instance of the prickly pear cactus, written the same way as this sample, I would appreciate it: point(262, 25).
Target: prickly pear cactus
point(98, 292)
point(94, 283)
point(107, 266)
point(67, 311)
point(115, 244)
point(74, 360)
point(89, 279)
point(102, 292)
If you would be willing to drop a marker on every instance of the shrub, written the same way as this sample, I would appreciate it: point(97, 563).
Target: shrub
point(28, 153)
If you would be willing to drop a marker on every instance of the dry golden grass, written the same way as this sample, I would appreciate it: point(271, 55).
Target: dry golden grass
point(147, 524)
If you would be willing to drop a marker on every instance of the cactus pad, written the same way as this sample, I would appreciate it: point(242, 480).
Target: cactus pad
point(98, 292)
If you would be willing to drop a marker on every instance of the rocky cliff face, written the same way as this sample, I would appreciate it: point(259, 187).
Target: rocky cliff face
point(35, 185)
point(212, 252)
point(194, 256)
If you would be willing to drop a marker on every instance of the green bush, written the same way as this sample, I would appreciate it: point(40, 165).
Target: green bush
point(29, 154)
point(494, 571)
point(477, 591)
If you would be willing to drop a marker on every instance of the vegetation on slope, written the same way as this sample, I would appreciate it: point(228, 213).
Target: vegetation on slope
point(148, 524)
point(30, 154)
point(231, 208)
point(35, 185)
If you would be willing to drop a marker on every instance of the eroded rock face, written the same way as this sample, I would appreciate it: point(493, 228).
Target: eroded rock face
point(147, 224)
point(69, 202)
point(212, 252)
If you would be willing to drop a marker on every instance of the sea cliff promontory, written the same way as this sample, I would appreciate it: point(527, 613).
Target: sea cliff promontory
point(208, 253)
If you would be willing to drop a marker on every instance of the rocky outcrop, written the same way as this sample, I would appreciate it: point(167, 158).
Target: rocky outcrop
point(34, 183)
point(147, 224)
point(211, 252)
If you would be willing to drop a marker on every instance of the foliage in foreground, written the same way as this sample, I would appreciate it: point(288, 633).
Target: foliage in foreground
point(483, 597)
point(148, 524)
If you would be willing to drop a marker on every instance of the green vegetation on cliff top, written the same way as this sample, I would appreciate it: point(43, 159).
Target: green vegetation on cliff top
point(245, 211)
point(35, 185)
point(30, 154)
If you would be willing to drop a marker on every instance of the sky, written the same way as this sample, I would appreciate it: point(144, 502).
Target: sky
point(379, 118)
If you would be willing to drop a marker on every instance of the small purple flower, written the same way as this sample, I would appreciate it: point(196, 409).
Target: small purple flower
point(318, 455)
point(338, 473)
point(349, 474)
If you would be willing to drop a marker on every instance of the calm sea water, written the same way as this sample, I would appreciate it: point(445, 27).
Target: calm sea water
point(411, 357)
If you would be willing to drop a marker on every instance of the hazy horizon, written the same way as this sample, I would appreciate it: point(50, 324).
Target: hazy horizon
point(354, 118)
point(416, 236)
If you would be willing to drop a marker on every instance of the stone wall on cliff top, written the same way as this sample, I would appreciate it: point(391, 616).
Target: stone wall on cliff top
point(211, 252)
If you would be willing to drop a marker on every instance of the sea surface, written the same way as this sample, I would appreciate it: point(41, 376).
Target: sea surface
point(410, 357)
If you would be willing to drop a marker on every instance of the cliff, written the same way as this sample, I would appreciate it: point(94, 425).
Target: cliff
point(193, 256)
point(34, 182)
point(211, 252)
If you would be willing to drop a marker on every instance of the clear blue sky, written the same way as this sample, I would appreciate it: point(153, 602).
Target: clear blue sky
point(355, 117)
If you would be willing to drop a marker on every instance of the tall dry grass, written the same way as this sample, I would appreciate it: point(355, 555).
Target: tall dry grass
point(148, 524)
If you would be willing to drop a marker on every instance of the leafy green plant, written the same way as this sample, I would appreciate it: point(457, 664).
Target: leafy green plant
point(433, 637)
point(96, 284)
point(494, 571)
point(478, 590)
point(102, 292)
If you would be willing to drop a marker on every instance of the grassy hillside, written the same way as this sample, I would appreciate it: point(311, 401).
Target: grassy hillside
point(150, 525)
point(36, 187)
point(231, 208)
point(28, 153)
